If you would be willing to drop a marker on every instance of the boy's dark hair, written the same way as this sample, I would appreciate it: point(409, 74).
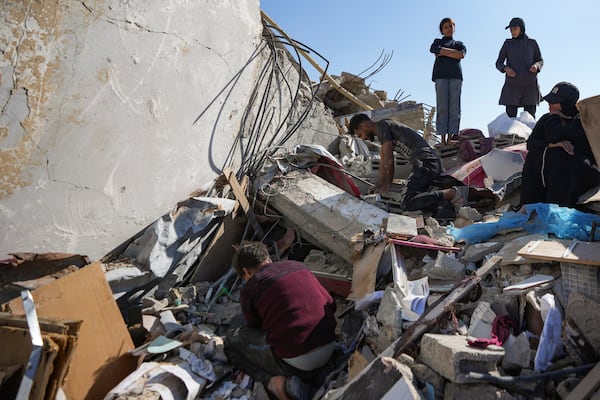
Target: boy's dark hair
point(249, 255)
point(355, 121)
point(443, 21)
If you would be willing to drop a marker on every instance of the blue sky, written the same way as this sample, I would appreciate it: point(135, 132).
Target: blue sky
point(352, 34)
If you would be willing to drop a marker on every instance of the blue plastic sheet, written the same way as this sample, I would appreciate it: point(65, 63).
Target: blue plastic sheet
point(562, 222)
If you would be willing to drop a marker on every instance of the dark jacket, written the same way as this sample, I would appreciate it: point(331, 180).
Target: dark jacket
point(520, 54)
point(550, 174)
point(446, 67)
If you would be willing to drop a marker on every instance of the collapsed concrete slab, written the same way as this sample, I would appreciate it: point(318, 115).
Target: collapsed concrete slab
point(97, 142)
point(325, 214)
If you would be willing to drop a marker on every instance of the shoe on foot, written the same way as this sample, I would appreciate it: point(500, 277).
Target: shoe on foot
point(461, 196)
point(296, 389)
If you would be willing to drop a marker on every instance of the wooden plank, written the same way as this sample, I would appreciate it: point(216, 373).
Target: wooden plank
point(427, 246)
point(240, 195)
point(585, 253)
point(238, 191)
point(100, 360)
point(588, 385)
point(304, 54)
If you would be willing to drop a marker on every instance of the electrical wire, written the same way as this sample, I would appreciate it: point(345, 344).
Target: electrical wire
point(265, 126)
point(254, 158)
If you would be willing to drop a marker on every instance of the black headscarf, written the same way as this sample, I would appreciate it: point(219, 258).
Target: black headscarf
point(569, 109)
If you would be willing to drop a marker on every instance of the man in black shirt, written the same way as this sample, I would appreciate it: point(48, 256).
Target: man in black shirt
point(426, 165)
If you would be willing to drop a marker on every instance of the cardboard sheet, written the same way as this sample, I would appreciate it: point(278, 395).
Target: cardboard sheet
point(58, 342)
point(99, 361)
point(589, 110)
point(364, 272)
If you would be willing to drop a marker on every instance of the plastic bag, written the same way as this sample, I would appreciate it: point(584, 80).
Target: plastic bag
point(550, 342)
point(480, 232)
point(504, 125)
point(563, 222)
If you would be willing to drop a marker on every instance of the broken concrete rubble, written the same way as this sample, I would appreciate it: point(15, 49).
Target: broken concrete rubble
point(385, 378)
point(324, 214)
point(381, 336)
point(197, 313)
point(178, 295)
point(517, 353)
point(453, 358)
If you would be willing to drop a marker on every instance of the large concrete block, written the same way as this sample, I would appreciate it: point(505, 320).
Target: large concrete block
point(451, 357)
point(97, 140)
point(325, 214)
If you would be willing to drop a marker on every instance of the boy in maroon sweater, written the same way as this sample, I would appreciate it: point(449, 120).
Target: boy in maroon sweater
point(290, 330)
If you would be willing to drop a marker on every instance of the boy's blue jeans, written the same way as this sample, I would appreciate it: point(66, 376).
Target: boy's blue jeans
point(448, 105)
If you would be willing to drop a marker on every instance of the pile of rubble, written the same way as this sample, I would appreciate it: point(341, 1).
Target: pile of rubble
point(357, 95)
point(496, 304)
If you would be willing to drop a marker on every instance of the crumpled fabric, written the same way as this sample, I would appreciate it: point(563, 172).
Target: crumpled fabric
point(501, 327)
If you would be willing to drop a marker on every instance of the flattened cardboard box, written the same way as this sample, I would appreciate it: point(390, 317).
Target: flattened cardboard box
point(100, 360)
point(58, 347)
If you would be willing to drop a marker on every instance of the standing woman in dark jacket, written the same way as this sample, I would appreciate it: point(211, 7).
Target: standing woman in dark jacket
point(521, 60)
point(447, 75)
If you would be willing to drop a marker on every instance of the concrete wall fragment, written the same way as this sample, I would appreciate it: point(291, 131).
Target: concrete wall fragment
point(112, 111)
